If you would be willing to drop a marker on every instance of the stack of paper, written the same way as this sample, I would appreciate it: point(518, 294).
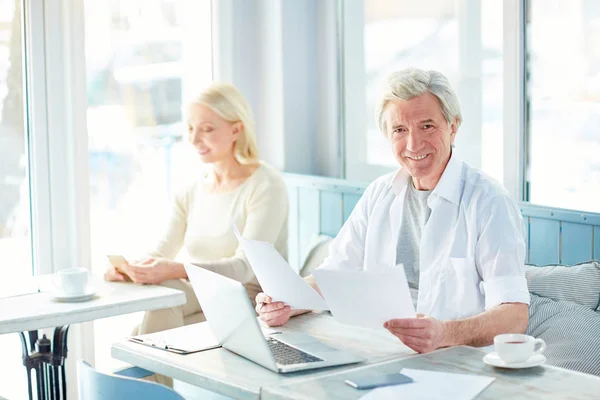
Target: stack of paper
point(384, 295)
point(277, 278)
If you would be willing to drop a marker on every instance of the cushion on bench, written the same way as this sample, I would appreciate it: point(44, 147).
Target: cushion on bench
point(571, 331)
point(579, 283)
point(317, 251)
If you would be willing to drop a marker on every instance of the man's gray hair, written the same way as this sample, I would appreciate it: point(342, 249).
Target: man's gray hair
point(409, 83)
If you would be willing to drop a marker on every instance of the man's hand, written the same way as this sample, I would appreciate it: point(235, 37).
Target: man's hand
point(422, 334)
point(272, 313)
point(151, 270)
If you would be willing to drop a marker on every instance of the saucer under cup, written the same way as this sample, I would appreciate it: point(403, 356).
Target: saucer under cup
point(533, 361)
point(71, 282)
point(89, 294)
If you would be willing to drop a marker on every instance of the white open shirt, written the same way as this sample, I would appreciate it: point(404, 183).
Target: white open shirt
point(472, 250)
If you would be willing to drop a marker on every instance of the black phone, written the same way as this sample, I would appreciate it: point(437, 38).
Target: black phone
point(371, 382)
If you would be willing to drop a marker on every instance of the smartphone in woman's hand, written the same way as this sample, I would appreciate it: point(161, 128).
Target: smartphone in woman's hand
point(116, 261)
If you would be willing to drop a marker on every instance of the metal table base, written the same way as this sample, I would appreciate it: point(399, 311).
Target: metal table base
point(47, 359)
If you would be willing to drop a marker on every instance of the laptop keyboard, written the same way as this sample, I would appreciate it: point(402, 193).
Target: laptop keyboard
point(288, 355)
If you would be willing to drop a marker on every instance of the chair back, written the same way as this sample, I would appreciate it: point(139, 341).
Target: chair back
point(94, 385)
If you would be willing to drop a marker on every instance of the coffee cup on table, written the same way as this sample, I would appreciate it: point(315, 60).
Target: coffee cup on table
point(515, 348)
point(71, 281)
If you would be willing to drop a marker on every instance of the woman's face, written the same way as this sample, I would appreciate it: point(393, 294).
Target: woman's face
point(212, 136)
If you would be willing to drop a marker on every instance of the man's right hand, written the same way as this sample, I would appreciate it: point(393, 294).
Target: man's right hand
point(272, 313)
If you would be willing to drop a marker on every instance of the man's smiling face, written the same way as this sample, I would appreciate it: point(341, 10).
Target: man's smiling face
point(421, 138)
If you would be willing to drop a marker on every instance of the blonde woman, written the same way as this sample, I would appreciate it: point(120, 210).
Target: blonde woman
point(237, 185)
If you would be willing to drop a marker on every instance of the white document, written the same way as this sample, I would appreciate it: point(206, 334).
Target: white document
point(429, 385)
point(366, 298)
point(277, 278)
point(185, 339)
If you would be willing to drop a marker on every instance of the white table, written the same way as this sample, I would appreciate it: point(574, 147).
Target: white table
point(30, 312)
point(542, 382)
point(223, 372)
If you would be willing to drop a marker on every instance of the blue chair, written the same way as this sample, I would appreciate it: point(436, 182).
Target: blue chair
point(94, 385)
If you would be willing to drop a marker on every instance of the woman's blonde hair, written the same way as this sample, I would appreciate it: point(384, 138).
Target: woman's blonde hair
point(229, 103)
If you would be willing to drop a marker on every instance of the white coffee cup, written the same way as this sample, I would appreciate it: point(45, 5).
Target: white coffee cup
point(515, 348)
point(71, 281)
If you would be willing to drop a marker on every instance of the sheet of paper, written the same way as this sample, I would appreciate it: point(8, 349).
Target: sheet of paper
point(277, 278)
point(429, 385)
point(366, 298)
point(189, 338)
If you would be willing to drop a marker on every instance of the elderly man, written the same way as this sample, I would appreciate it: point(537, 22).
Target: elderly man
point(457, 232)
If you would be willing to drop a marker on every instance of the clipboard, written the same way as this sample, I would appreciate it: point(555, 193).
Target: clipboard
point(183, 340)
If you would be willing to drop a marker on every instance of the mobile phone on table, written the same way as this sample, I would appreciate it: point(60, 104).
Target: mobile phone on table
point(372, 382)
point(116, 261)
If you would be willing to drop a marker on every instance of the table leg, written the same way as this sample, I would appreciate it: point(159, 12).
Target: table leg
point(64, 380)
point(59, 354)
point(47, 359)
point(25, 353)
point(47, 380)
point(56, 376)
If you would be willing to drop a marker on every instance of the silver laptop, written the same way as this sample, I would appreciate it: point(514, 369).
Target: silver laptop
point(234, 324)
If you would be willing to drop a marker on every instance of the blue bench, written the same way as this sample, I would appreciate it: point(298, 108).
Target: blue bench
point(320, 205)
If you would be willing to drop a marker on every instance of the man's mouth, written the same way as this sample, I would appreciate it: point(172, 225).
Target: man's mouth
point(418, 158)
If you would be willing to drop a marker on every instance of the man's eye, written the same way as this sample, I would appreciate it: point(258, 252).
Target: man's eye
point(427, 126)
point(398, 131)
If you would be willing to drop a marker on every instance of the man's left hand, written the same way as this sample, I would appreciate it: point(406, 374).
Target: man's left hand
point(422, 334)
point(150, 271)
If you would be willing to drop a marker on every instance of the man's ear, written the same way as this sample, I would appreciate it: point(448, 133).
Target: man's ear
point(453, 130)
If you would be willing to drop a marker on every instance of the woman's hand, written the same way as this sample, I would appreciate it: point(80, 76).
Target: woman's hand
point(272, 313)
point(112, 275)
point(151, 270)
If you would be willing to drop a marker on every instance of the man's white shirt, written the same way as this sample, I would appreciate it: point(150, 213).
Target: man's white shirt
point(472, 249)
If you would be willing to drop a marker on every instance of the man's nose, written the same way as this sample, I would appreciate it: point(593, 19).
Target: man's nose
point(413, 142)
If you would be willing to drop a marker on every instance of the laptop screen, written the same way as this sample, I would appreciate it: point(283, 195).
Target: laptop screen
point(230, 315)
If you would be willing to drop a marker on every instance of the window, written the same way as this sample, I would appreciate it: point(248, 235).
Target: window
point(462, 39)
point(563, 92)
point(143, 60)
point(15, 220)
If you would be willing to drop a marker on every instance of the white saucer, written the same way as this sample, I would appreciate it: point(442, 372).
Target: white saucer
point(496, 361)
point(88, 294)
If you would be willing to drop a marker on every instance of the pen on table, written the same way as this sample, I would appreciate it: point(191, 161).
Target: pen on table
point(153, 343)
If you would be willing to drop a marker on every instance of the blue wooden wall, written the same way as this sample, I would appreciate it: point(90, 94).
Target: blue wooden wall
point(317, 206)
point(558, 236)
point(320, 205)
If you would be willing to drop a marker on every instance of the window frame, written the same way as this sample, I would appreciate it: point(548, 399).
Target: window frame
point(352, 71)
point(34, 83)
point(54, 68)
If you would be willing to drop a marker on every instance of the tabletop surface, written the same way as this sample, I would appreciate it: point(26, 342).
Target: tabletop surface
point(40, 310)
point(542, 382)
point(224, 372)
